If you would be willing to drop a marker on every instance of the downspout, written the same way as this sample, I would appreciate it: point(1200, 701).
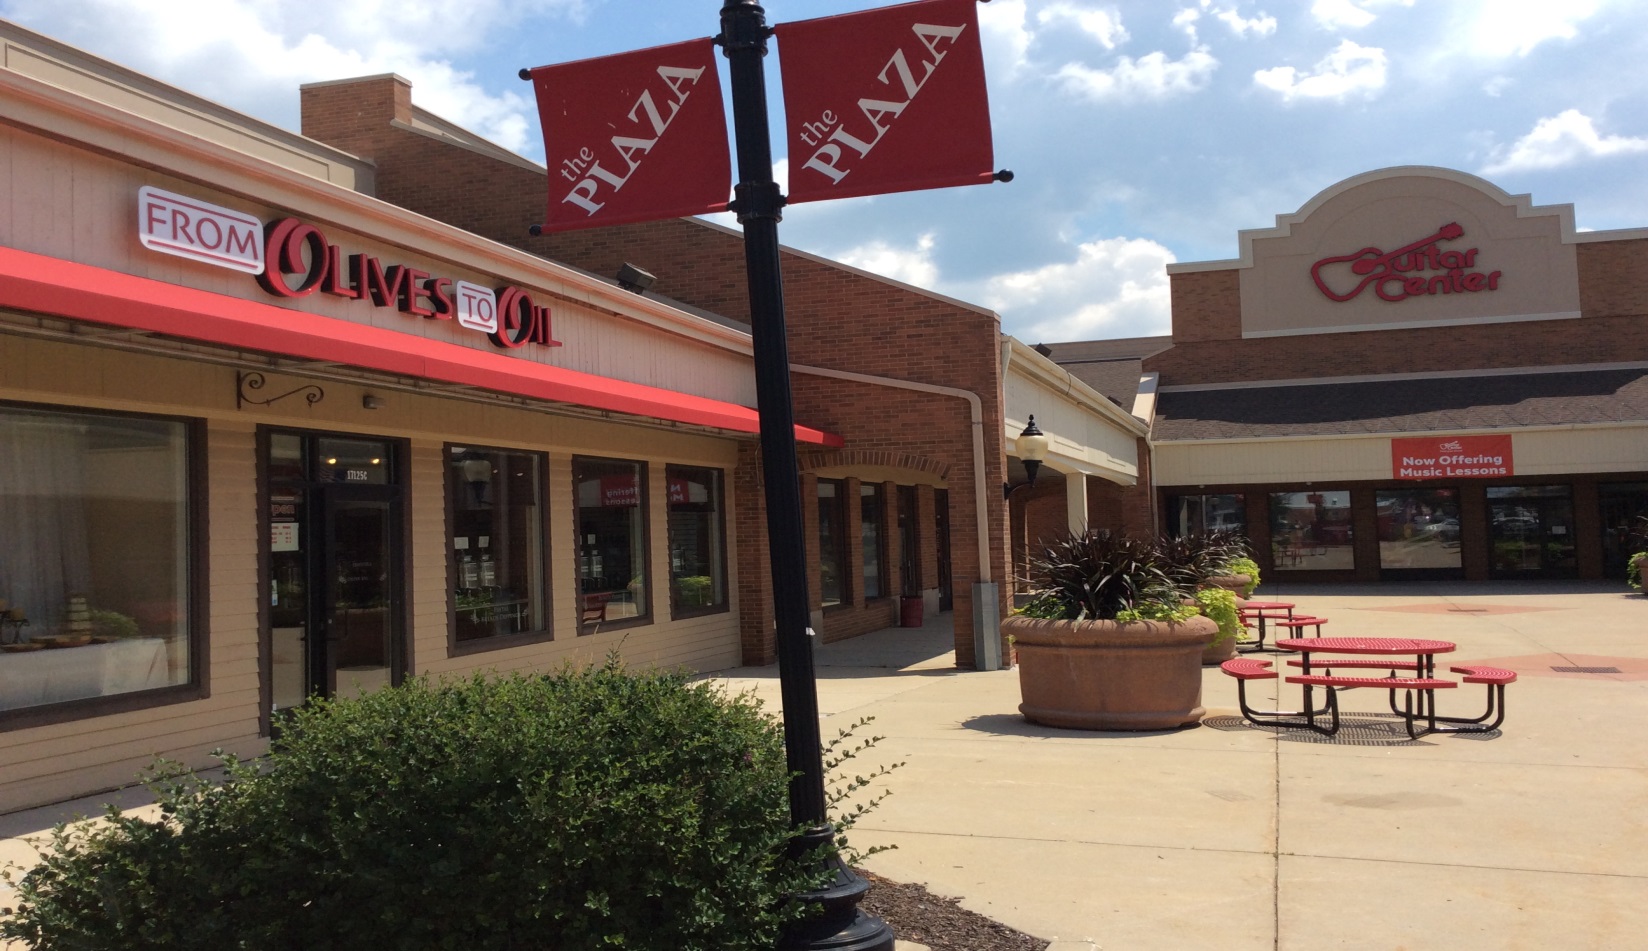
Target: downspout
point(976, 407)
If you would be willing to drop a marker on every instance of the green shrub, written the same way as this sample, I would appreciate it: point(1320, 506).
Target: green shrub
point(1158, 611)
point(1633, 569)
point(1245, 566)
point(590, 809)
point(1220, 605)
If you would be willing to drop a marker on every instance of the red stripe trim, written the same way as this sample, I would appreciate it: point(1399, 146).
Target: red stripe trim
point(47, 285)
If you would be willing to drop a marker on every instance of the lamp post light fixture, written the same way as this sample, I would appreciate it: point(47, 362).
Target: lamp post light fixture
point(1031, 449)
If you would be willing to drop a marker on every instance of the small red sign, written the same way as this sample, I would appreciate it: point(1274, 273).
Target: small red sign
point(1452, 457)
point(885, 100)
point(634, 137)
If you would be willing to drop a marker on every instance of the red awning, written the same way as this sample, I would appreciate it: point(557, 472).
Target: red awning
point(47, 285)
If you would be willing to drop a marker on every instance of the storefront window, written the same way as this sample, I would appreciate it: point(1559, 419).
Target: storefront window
point(612, 541)
point(496, 517)
point(1624, 524)
point(94, 556)
point(698, 557)
point(870, 509)
point(1418, 528)
point(832, 541)
point(1311, 531)
point(1200, 514)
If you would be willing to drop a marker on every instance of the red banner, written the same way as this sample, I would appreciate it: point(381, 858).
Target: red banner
point(885, 100)
point(1452, 457)
point(634, 137)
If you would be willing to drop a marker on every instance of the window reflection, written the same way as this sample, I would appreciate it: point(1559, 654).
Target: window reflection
point(612, 540)
point(698, 581)
point(495, 500)
point(1311, 531)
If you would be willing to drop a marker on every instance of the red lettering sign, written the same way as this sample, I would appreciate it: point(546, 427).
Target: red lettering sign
point(885, 100)
point(1452, 457)
point(1405, 272)
point(300, 261)
point(634, 137)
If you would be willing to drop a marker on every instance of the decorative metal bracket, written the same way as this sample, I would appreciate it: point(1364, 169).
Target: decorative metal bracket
point(247, 383)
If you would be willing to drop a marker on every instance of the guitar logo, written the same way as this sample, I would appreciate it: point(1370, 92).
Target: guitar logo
point(1373, 265)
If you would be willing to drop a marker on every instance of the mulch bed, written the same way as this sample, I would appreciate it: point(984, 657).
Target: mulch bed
point(941, 924)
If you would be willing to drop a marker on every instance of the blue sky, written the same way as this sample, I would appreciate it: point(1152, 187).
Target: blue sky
point(1142, 131)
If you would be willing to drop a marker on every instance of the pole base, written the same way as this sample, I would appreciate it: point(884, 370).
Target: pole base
point(840, 925)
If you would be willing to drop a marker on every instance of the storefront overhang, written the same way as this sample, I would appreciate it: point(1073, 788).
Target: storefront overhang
point(47, 285)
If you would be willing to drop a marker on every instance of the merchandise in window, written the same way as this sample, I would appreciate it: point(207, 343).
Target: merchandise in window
point(94, 556)
point(612, 541)
point(698, 557)
point(496, 519)
point(1311, 531)
point(1201, 514)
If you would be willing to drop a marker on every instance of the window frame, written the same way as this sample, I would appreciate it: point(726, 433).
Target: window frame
point(197, 589)
point(454, 646)
point(677, 610)
point(643, 476)
point(843, 557)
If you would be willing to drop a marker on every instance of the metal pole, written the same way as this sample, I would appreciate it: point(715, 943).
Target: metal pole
point(840, 926)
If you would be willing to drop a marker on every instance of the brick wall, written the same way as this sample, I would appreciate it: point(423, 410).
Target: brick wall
point(835, 318)
point(1208, 347)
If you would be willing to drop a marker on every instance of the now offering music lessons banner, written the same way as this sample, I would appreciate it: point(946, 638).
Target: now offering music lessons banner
point(634, 137)
point(885, 100)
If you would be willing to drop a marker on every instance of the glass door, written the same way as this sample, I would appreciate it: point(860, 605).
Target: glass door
point(359, 605)
point(335, 578)
point(1531, 532)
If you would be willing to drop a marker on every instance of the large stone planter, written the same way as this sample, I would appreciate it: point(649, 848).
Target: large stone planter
point(1111, 675)
point(1218, 652)
point(1236, 583)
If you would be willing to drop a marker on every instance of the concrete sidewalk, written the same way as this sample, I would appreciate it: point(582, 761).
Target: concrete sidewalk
point(1232, 837)
point(1228, 836)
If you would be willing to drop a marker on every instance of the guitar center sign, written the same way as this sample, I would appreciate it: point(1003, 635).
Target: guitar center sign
point(291, 258)
point(1421, 268)
point(1452, 457)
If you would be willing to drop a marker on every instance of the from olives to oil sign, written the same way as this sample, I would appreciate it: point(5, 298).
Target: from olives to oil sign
point(292, 258)
point(1452, 457)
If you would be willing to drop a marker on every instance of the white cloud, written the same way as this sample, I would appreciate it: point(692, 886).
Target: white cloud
point(1561, 140)
point(253, 54)
point(1103, 24)
point(1116, 287)
point(1340, 14)
point(1005, 37)
point(1501, 28)
point(1496, 86)
point(1262, 25)
point(1348, 70)
point(911, 265)
point(1152, 76)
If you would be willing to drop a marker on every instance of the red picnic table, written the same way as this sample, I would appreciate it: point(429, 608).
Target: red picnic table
point(1260, 611)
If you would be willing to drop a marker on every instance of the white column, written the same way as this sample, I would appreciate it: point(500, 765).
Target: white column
point(1075, 501)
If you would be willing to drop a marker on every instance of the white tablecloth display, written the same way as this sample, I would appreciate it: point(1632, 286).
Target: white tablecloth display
point(54, 675)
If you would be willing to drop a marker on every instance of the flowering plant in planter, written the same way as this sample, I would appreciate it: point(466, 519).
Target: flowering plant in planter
point(1107, 642)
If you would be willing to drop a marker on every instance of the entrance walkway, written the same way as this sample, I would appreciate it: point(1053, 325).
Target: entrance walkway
point(1232, 837)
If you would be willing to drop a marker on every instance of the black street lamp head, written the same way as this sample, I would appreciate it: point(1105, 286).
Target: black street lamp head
point(1031, 448)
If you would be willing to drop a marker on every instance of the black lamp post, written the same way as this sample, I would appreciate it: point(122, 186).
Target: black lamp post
point(840, 925)
point(1031, 449)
